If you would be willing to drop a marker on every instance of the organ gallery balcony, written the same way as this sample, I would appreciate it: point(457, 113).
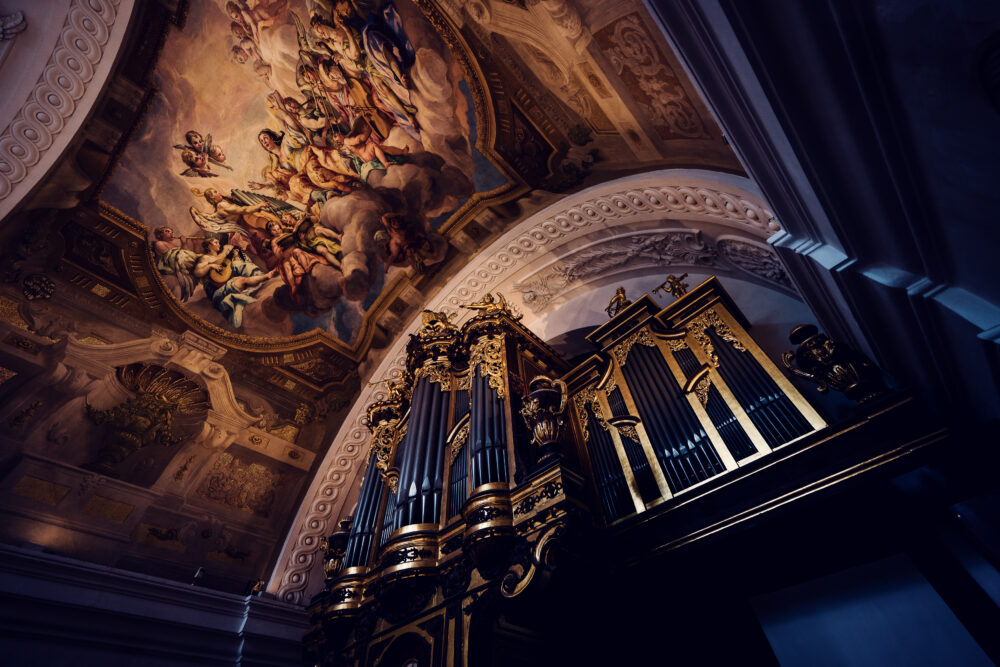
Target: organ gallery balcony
point(493, 464)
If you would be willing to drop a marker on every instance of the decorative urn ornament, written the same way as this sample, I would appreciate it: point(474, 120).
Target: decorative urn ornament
point(544, 406)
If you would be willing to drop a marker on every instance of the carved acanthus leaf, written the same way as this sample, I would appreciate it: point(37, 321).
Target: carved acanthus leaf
point(641, 336)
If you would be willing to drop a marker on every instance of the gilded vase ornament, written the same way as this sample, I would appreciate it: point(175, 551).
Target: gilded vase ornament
point(830, 364)
point(543, 410)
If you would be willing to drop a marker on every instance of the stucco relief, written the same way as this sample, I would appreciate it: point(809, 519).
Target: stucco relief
point(661, 249)
point(755, 258)
point(650, 78)
point(64, 81)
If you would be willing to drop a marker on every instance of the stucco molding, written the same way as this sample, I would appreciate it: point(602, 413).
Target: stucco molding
point(77, 64)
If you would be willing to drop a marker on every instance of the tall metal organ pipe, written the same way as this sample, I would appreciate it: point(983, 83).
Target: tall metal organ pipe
point(359, 544)
point(421, 469)
point(487, 433)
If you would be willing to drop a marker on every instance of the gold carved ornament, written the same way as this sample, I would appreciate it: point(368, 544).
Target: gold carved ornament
point(438, 371)
point(709, 319)
point(641, 336)
point(459, 441)
point(618, 303)
point(490, 306)
point(676, 344)
point(488, 351)
point(386, 436)
point(628, 431)
point(583, 398)
point(701, 389)
point(673, 285)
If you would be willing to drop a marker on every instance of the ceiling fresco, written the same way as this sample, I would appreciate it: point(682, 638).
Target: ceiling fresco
point(295, 157)
point(300, 157)
point(262, 199)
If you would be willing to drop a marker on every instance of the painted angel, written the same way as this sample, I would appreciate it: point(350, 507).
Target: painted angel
point(173, 260)
point(227, 214)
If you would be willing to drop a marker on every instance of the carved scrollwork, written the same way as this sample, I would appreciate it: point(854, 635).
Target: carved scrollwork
point(701, 389)
point(488, 352)
point(708, 320)
point(547, 492)
point(459, 441)
point(528, 558)
point(484, 514)
point(405, 555)
point(642, 336)
point(584, 397)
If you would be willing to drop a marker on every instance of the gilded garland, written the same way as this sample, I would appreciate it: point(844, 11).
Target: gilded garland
point(459, 441)
point(438, 371)
point(385, 438)
point(701, 389)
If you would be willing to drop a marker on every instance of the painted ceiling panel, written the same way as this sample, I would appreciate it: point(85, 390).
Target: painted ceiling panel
point(262, 200)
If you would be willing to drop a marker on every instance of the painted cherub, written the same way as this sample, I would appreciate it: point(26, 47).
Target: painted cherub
point(369, 154)
point(174, 260)
point(198, 152)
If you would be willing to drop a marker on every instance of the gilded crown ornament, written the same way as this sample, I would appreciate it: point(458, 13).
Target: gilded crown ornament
point(830, 364)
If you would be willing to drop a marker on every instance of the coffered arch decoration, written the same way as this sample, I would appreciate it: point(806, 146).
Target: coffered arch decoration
point(663, 221)
point(52, 76)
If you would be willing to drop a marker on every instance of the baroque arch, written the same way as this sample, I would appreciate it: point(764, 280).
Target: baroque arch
point(664, 221)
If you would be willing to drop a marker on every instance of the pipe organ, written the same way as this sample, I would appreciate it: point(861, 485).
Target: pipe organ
point(492, 461)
